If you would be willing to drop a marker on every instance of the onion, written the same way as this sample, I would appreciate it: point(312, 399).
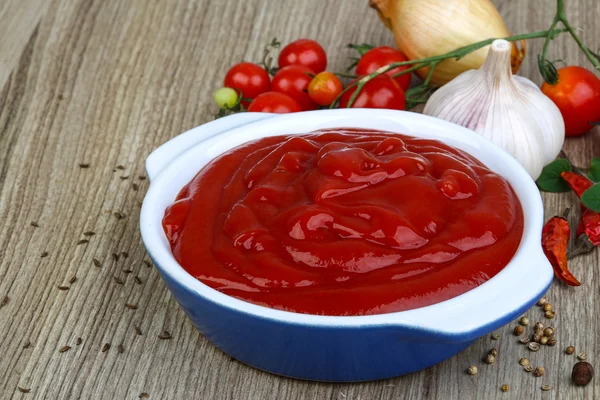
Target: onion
point(426, 28)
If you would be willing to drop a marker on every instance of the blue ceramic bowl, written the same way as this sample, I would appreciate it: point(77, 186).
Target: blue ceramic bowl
point(341, 349)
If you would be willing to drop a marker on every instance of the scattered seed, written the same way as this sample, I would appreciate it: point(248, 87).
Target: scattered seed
point(542, 301)
point(126, 271)
point(124, 177)
point(536, 337)
point(35, 224)
point(493, 352)
point(490, 359)
point(138, 280)
point(82, 241)
point(105, 347)
point(570, 350)
point(120, 167)
point(165, 335)
point(141, 177)
point(118, 280)
point(64, 348)
point(135, 186)
point(547, 307)
point(548, 332)
point(524, 362)
point(533, 346)
point(23, 390)
point(528, 368)
point(545, 388)
point(121, 349)
point(119, 215)
point(89, 233)
point(552, 341)
point(544, 340)
point(73, 279)
point(147, 264)
point(138, 330)
point(582, 356)
point(524, 321)
point(44, 254)
point(96, 262)
point(472, 370)
point(27, 345)
point(539, 326)
point(524, 340)
point(504, 388)
point(582, 374)
point(78, 341)
point(518, 331)
point(84, 165)
point(549, 314)
point(131, 306)
point(495, 336)
point(4, 301)
point(62, 287)
point(125, 254)
point(144, 395)
point(115, 256)
point(538, 371)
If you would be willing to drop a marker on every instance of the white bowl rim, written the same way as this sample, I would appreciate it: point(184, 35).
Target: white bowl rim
point(526, 276)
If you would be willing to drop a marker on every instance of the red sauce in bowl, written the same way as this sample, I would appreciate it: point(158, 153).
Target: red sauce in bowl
point(344, 222)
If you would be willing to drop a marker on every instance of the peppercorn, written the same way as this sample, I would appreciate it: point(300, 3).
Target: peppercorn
point(582, 374)
point(538, 371)
point(570, 350)
point(518, 331)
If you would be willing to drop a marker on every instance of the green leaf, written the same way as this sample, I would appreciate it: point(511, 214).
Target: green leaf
point(591, 198)
point(550, 179)
point(594, 172)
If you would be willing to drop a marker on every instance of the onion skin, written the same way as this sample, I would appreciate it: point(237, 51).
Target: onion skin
point(427, 28)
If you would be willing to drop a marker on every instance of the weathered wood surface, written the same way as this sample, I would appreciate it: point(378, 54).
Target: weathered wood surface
point(103, 82)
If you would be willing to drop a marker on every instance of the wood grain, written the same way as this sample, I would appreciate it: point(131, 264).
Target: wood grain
point(103, 82)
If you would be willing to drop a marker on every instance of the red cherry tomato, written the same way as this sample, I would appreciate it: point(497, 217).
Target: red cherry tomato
point(293, 81)
point(380, 92)
point(304, 52)
point(274, 102)
point(250, 79)
point(577, 95)
point(379, 57)
point(324, 88)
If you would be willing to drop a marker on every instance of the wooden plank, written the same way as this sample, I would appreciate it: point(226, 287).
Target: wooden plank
point(103, 83)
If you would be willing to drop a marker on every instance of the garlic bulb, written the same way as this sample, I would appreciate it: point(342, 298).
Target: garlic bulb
point(509, 110)
point(426, 28)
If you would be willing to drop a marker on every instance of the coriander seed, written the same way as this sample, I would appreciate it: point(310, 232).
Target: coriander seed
point(544, 340)
point(524, 362)
point(524, 321)
point(495, 336)
point(533, 346)
point(570, 350)
point(547, 307)
point(545, 388)
point(518, 331)
point(538, 371)
point(528, 368)
point(582, 356)
point(493, 352)
point(524, 340)
point(548, 332)
point(552, 341)
point(549, 314)
point(490, 359)
point(539, 326)
point(504, 388)
point(582, 374)
point(472, 370)
point(536, 338)
point(542, 301)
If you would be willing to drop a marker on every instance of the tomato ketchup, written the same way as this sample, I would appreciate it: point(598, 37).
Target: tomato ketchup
point(344, 222)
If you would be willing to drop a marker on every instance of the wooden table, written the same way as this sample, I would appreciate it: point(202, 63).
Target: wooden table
point(88, 89)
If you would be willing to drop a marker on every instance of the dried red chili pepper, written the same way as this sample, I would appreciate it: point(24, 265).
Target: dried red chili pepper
point(588, 229)
point(555, 237)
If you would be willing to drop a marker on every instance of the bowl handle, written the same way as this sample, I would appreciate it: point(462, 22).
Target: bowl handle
point(162, 156)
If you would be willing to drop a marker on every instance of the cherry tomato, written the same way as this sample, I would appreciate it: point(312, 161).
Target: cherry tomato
point(380, 92)
point(250, 79)
point(577, 95)
point(274, 102)
point(379, 57)
point(293, 81)
point(226, 97)
point(324, 88)
point(304, 52)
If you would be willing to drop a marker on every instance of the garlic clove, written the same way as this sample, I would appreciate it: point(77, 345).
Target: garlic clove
point(511, 111)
